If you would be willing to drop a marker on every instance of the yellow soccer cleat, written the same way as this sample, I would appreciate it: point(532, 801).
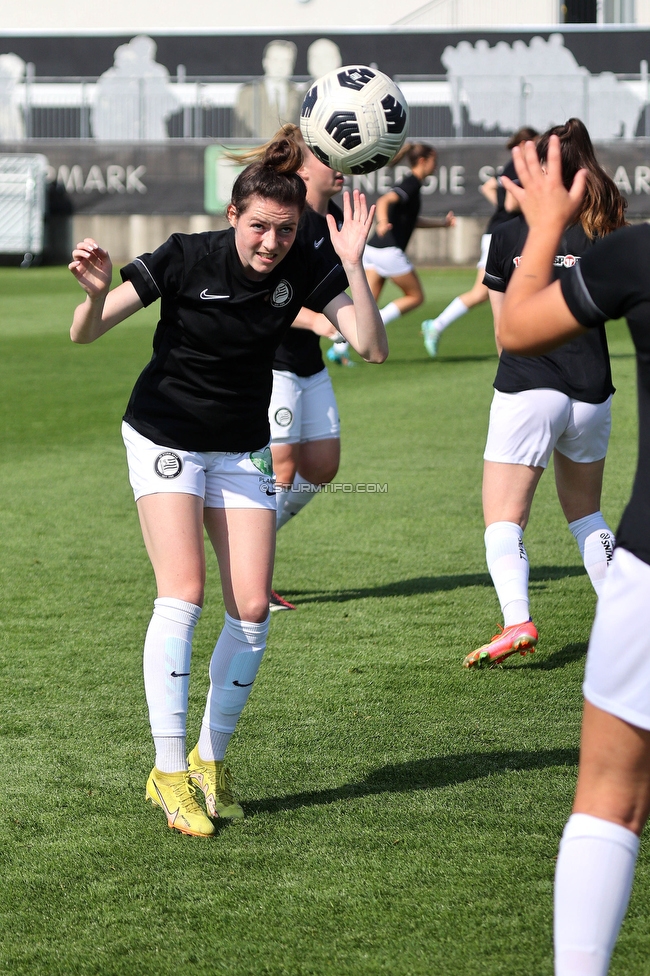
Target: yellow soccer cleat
point(175, 794)
point(520, 638)
point(215, 780)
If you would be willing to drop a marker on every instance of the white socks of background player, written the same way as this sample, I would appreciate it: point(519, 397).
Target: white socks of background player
point(389, 313)
point(593, 879)
point(294, 500)
point(341, 348)
point(507, 561)
point(596, 542)
point(233, 666)
point(454, 311)
point(167, 655)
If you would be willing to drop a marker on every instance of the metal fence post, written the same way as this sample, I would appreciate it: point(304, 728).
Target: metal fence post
point(30, 74)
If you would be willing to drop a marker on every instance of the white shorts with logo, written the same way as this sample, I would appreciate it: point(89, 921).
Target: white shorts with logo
point(303, 408)
point(617, 676)
point(389, 262)
point(485, 247)
point(222, 479)
point(526, 427)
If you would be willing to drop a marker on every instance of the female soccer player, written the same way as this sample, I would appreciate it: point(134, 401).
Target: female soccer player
point(505, 208)
point(556, 404)
point(196, 431)
point(398, 214)
point(305, 429)
point(595, 867)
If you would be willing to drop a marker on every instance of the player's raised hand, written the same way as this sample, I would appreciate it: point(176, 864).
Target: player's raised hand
point(350, 241)
point(92, 267)
point(542, 196)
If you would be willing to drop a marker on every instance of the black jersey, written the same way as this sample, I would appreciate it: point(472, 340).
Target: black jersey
point(299, 352)
point(612, 281)
point(403, 215)
point(580, 369)
point(500, 215)
point(208, 384)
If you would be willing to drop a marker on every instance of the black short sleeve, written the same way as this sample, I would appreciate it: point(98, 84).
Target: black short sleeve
point(611, 279)
point(495, 277)
point(157, 275)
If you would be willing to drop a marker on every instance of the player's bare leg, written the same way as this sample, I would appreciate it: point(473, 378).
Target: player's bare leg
point(579, 488)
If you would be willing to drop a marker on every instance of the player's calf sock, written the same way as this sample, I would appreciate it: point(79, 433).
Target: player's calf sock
point(341, 348)
point(166, 661)
point(596, 542)
point(454, 311)
point(507, 562)
point(233, 666)
point(593, 880)
point(294, 500)
point(389, 313)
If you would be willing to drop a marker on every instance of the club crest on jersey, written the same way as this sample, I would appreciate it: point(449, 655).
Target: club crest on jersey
point(263, 461)
point(168, 465)
point(282, 295)
point(283, 417)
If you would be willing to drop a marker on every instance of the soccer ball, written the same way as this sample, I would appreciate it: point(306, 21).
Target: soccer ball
point(354, 119)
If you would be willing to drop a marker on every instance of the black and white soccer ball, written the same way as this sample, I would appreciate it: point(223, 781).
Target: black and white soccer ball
point(354, 118)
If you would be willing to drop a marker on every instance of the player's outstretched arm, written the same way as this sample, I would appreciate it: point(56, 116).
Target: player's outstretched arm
point(358, 320)
point(315, 322)
point(535, 318)
point(102, 309)
point(429, 222)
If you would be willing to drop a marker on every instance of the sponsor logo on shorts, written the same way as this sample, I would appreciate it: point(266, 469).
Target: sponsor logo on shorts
point(263, 461)
point(267, 485)
point(168, 465)
point(283, 417)
point(282, 295)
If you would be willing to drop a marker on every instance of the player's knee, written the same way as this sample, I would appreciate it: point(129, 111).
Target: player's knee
point(254, 609)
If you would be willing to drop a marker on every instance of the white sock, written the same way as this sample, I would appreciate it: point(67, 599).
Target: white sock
point(166, 660)
point(294, 500)
point(454, 311)
point(593, 880)
point(389, 313)
point(596, 542)
point(233, 666)
point(341, 348)
point(507, 561)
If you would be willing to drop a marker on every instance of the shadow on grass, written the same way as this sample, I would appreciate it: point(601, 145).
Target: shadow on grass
point(558, 659)
point(419, 585)
point(422, 774)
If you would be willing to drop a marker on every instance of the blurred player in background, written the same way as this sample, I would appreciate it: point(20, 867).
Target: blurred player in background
point(304, 418)
point(398, 214)
point(600, 843)
point(558, 404)
point(506, 207)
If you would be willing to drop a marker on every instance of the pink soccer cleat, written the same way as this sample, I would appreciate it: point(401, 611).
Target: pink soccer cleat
point(517, 637)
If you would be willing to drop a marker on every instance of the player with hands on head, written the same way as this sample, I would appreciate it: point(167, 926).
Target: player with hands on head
point(558, 404)
point(398, 214)
point(599, 846)
point(196, 432)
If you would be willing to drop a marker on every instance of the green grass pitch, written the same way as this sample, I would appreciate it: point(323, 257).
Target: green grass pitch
point(403, 815)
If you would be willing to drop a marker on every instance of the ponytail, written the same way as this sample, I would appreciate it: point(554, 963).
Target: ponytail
point(414, 151)
point(603, 206)
point(273, 175)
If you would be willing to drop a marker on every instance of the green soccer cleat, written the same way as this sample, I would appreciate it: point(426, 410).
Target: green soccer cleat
point(215, 780)
point(175, 794)
point(431, 336)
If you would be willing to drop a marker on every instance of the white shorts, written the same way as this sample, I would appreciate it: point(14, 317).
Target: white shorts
point(526, 427)
point(222, 479)
point(617, 676)
point(303, 408)
point(485, 247)
point(389, 262)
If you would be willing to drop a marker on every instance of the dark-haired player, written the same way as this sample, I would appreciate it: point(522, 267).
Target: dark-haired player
point(595, 867)
point(197, 433)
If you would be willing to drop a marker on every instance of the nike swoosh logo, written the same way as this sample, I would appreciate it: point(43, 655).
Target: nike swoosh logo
point(182, 674)
point(317, 244)
point(240, 685)
point(205, 294)
point(171, 816)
